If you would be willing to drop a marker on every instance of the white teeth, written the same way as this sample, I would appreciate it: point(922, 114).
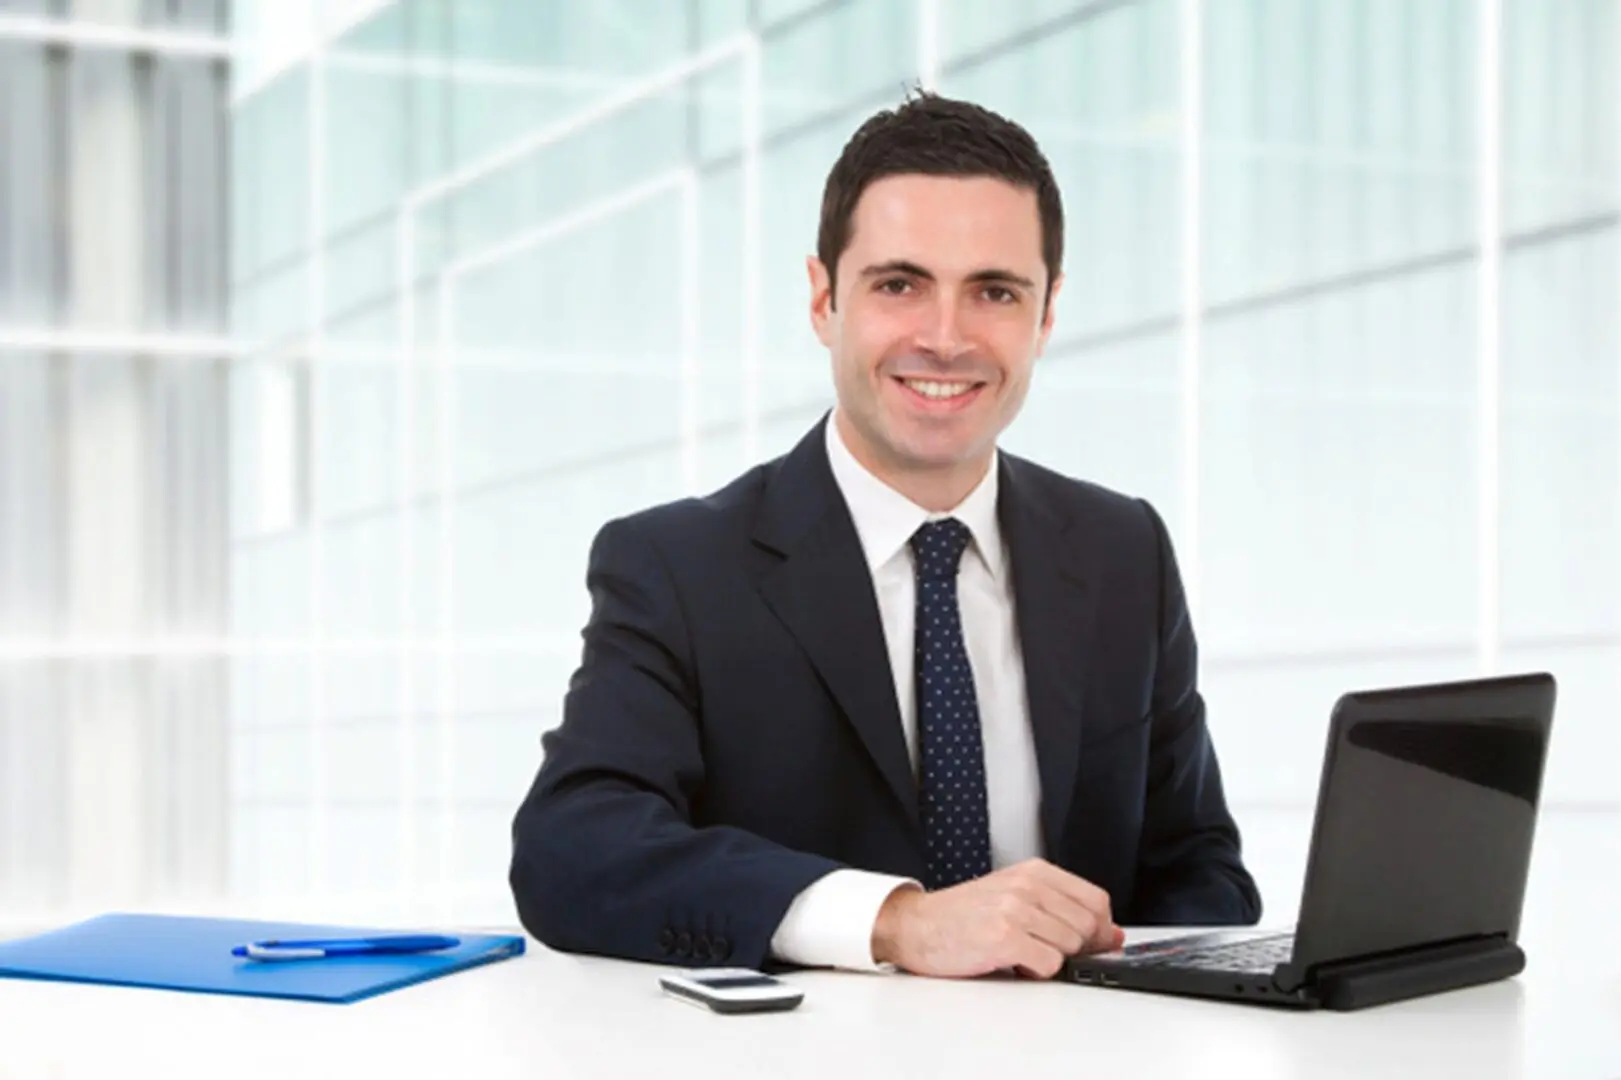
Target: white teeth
point(939, 390)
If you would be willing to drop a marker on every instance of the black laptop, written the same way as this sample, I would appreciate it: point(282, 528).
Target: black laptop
point(1419, 853)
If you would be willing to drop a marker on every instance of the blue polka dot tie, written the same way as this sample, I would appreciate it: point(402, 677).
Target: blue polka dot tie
point(956, 823)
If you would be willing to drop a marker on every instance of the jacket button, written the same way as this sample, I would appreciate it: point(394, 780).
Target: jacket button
point(683, 944)
point(700, 948)
point(720, 948)
point(667, 941)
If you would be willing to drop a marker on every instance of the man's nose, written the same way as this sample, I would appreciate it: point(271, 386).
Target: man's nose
point(942, 330)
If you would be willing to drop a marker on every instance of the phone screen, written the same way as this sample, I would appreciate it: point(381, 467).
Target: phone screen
point(735, 982)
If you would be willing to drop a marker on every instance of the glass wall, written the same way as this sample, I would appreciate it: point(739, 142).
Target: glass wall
point(500, 270)
point(114, 548)
point(523, 267)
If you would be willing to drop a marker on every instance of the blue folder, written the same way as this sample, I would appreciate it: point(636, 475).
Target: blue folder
point(184, 953)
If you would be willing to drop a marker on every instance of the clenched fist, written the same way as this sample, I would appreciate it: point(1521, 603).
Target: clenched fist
point(1028, 918)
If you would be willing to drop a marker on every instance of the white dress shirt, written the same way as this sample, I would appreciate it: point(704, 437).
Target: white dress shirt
point(830, 923)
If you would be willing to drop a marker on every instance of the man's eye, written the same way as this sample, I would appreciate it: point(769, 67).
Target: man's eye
point(1000, 294)
point(894, 286)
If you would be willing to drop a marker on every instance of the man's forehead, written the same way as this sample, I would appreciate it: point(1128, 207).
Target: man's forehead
point(921, 194)
point(947, 224)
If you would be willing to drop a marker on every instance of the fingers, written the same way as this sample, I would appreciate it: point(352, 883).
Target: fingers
point(1077, 889)
point(1067, 936)
point(1041, 941)
point(1084, 922)
point(1105, 939)
point(1074, 900)
point(1037, 958)
point(1029, 918)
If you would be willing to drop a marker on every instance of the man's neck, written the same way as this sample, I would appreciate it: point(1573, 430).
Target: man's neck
point(935, 490)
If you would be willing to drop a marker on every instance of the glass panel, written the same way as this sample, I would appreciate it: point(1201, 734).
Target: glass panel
point(1560, 94)
point(1561, 385)
point(271, 192)
point(1338, 471)
point(1111, 414)
point(1340, 140)
point(521, 546)
point(817, 65)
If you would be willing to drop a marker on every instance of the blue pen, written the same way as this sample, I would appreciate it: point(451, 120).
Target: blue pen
point(322, 948)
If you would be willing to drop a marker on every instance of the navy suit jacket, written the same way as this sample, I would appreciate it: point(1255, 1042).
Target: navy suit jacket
point(731, 734)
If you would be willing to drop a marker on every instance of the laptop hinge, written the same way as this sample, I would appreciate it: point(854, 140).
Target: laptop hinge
point(1359, 982)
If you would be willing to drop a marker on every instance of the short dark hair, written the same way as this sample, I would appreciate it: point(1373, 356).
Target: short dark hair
point(938, 136)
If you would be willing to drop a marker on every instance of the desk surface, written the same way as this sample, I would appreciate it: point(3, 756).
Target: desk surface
point(558, 1016)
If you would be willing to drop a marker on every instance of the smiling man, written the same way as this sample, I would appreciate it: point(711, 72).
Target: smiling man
point(896, 699)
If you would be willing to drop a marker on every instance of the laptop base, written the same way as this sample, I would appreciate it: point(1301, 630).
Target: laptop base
point(1341, 986)
point(1359, 984)
point(1187, 982)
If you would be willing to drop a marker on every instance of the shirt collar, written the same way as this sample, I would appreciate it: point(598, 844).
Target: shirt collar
point(885, 519)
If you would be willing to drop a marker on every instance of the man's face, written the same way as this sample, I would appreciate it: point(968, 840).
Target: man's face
point(938, 321)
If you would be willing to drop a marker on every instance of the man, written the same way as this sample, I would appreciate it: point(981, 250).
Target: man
point(893, 700)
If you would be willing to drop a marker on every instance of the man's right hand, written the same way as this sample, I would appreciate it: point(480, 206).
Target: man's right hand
point(1028, 917)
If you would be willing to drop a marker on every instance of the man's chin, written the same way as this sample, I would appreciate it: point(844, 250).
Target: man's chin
point(924, 456)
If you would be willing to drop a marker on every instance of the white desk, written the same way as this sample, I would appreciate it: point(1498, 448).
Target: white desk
point(547, 1016)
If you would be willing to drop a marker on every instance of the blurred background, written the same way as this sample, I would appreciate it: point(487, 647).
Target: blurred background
point(330, 332)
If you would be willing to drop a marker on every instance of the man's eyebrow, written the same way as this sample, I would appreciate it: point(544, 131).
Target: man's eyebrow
point(897, 266)
point(1002, 277)
point(989, 275)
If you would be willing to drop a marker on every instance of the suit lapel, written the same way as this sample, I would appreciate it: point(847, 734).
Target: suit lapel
point(822, 592)
point(1056, 612)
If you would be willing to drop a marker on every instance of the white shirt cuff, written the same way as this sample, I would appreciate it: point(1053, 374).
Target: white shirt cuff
point(830, 923)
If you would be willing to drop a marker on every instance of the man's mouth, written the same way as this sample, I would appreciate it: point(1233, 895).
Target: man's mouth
point(940, 389)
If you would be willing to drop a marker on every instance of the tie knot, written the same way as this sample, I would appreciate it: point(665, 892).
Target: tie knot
point(938, 548)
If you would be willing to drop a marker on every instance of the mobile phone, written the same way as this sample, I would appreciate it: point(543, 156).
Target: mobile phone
point(731, 990)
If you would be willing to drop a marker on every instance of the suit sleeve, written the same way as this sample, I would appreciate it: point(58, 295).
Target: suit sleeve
point(1190, 870)
point(605, 856)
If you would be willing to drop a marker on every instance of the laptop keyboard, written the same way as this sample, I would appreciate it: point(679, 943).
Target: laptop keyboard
point(1213, 953)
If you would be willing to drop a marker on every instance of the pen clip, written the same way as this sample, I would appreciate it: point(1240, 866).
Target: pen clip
point(264, 950)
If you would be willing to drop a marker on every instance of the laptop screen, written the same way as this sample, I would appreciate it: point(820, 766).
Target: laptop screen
point(1425, 817)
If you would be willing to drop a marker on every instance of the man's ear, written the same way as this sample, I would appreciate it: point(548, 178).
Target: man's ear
point(1047, 313)
point(821, 299)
